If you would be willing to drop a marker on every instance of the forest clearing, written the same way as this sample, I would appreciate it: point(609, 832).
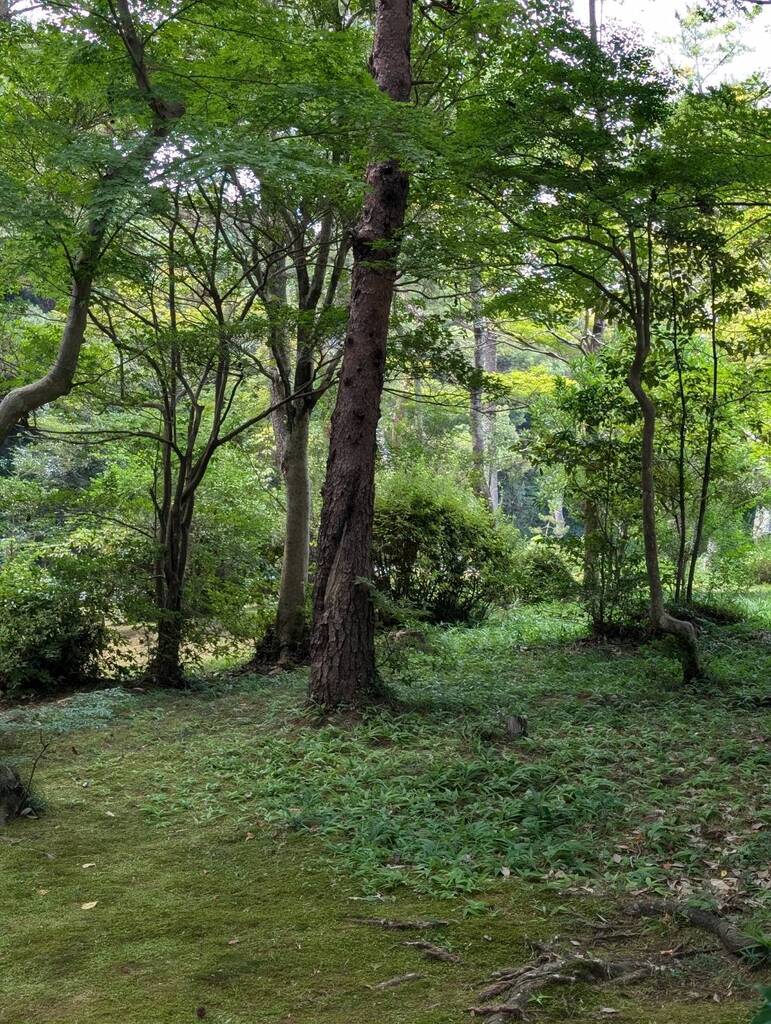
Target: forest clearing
point(385, 511)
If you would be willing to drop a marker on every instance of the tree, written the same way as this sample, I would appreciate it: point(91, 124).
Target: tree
point(176, 306)
point(483, 412)
point(124, 171)
point(602, 198)
point(342, 641)
point(303, 250)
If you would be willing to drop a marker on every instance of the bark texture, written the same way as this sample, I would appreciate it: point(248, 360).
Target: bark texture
point(291, 626)
point(23, 400)
point(342, 642)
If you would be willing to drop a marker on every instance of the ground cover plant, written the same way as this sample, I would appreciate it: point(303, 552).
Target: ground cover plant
point(266, 831)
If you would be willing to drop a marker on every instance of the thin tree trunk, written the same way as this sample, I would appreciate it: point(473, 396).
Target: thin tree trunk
point(59, 379)
point(683, 631)
point(594, 33)
point(5, 10)
point(489, 411)
point(681, 518)
point(291, 625)
point(706, 478)
point(681, 495)
point(484, 470)
point(594, 588)
point(342, 643)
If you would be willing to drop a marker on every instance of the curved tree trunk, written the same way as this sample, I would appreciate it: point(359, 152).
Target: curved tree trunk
point(684, 632)
point(342, 641)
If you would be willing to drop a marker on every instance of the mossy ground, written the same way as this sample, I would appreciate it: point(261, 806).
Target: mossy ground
point(231, 837)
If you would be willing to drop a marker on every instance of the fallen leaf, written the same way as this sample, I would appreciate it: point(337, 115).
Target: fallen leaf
point(233, 942)
point(88, 906)
point(109, 814)
point(91, 864)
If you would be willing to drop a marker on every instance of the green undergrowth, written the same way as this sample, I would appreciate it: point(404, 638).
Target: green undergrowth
point(232, 834)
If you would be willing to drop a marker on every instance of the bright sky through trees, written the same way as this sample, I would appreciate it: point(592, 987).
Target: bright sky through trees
point(658, 23)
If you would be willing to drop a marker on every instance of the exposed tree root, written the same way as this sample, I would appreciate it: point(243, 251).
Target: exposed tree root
point(401, 979)
point(398, 926)
point(432, 952)
point(520, 984)
point(737, 942)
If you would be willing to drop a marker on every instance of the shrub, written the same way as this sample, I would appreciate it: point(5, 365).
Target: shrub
point(438, 550)
point(52, 626)
point(542, 574)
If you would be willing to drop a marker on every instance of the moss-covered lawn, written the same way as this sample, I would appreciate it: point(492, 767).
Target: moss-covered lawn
point(226, 839)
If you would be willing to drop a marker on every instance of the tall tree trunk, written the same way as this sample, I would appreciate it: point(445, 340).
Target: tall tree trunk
point(681, 517)
point(594, 33)
point(683, 631)
point(5, 10)
point(291, 625)
point(706, 477)
point(165, 114)
point(490, 412)
point(342, 641)
point(594, 580)
point(484, 469)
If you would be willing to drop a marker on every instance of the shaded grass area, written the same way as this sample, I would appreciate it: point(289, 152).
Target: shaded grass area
point(232, 835)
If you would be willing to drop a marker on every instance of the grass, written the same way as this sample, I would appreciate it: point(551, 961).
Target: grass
point(232, 836)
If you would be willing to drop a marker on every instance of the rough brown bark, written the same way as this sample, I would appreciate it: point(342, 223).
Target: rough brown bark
point(58, 381)
point(342, 642)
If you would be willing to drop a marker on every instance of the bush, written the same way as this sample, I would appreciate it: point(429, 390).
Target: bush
point(52, 630)
point(438, 550)
point(542, 574)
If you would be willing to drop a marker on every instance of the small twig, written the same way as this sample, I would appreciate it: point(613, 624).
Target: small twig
point(384, 922)
point(44, 745)
point(433, 952)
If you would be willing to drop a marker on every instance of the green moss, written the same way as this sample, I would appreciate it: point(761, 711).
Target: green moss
point(232, 837)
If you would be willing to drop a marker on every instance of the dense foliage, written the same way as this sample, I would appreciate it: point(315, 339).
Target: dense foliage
point(438, 551)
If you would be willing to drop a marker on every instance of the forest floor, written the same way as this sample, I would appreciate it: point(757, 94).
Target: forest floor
point(205, 855)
